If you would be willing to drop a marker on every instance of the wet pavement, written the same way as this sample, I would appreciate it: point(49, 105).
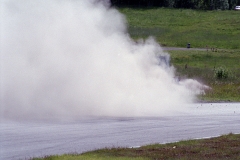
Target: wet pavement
point(23, 140)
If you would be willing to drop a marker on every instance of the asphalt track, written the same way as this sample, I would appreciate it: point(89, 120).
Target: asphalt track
point(23, 140)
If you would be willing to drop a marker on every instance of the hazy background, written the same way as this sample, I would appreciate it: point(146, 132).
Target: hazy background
point(64, 59)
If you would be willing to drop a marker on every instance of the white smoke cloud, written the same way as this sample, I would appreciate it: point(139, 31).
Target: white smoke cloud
point(66, 58)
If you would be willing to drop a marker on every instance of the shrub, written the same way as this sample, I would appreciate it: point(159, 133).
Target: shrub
point(221, 73)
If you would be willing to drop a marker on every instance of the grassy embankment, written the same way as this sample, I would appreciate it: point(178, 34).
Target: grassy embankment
point(205, 67)
point(177, 27)
point(203, 29)
point(223, 147)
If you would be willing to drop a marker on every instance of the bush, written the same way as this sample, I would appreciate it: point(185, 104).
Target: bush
point(221, 73)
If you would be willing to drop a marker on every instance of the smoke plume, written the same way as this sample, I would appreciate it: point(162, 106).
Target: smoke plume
point(68, 58)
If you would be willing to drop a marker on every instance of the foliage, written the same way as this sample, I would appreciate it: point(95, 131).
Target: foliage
point(193, 4)
point(221, 73)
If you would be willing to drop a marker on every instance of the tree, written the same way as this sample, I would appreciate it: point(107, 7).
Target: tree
point(224, 5)
point(194, 4)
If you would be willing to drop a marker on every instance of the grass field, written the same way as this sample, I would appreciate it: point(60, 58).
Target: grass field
point(202, 29)
point(203, 65)
point(219, 148)
point(177, 27)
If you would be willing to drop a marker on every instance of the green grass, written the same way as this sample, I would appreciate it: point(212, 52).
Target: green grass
point(89, 156)
point(203, 29)
point(201, 65)
point(177, 27)
point(223, 147)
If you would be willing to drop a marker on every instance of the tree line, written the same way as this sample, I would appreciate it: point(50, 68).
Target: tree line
point(192, 4)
